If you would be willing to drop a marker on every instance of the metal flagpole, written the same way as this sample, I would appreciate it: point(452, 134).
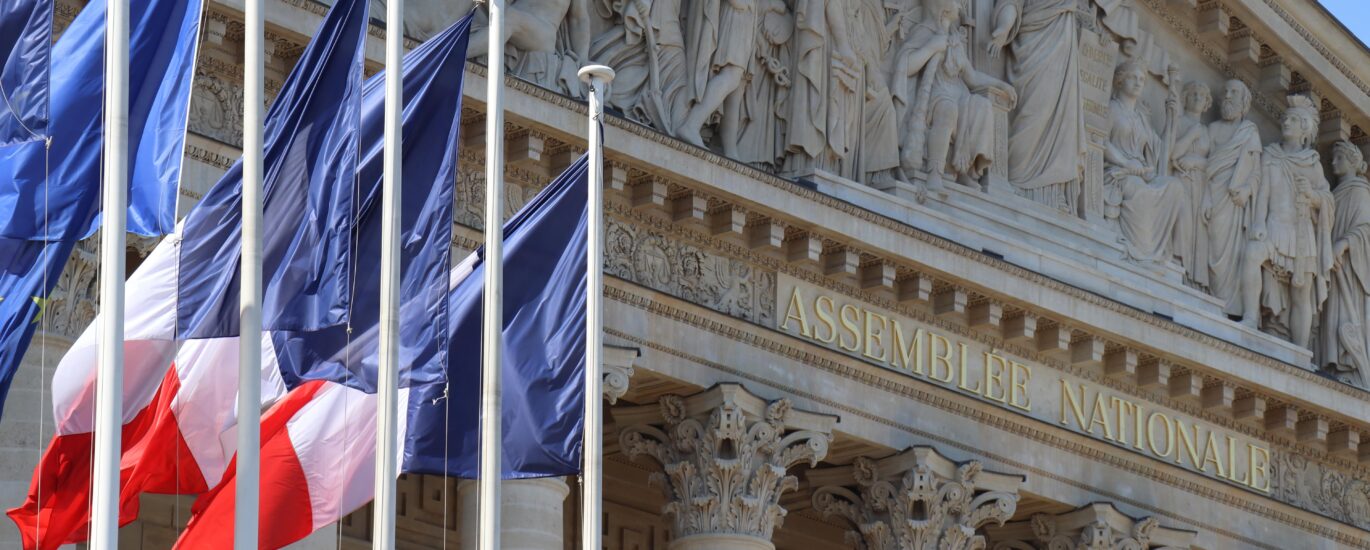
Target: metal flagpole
point(387, 392)
point(247, 493)
point(109, 386)
point(492, 325)
point(592, 489)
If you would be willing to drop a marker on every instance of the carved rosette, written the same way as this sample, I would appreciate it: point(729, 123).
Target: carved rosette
point(724, 454)
point(1097, 526)
point(917, 499)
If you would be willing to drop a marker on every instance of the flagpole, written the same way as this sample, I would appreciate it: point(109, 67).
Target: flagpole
point(248, 487)
point(492, 325)
point(109, 402)
point(592, 489)
point(387, 389)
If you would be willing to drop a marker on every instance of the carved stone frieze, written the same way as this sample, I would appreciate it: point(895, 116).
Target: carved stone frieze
point(725, 455)
point(1097, 526)
point(718, 282)
point(1311, 485)
point(917, 499)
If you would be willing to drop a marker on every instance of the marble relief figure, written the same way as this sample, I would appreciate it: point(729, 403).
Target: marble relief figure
point(947, 126)
point(1233, 172)
point(1046, 144)
point(720, 47)
point(646, 47)
point(1152, 209)
point(1289, 255)
point(1189, 163)
point(761, 140)
point(535, 26)
point(824, 93)
point(1345, 342)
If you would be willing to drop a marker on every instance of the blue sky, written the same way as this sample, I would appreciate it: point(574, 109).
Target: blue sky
point(1355, 14)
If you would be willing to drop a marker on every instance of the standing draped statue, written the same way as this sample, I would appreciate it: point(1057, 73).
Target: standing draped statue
point(825, 86)
point(722, 42)
point(1046, 146)
point(762, 139)
point(936, 65)
point(1284, 278)
point(1153, 210)
point(1233, 173)
point(878, 151)
point(646, 48)
point(1189, 163)
point(1345, 350)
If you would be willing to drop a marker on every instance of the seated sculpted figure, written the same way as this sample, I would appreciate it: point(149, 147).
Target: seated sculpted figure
point(1152, 209)
point(1284, 275)
point(934, 68)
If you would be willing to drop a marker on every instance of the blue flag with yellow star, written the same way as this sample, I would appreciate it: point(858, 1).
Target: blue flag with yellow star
point(28, 273)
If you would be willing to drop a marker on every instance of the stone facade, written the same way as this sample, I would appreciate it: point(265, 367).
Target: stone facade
point(1008, 274)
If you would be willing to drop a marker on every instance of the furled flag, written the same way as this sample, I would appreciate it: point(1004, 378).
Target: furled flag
point(52, 193)
point(308, 184)
point(317, 460)
point(179, 401)
point(26, 48)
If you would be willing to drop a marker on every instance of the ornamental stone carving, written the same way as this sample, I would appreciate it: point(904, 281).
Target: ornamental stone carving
point(1231, 174)
point(1289, 255)
point(1151, 208)
point(725, 454)
point(933, 71)
point(1097, 526)
point(618, 371)
point(917, 499)
point(1345, 338)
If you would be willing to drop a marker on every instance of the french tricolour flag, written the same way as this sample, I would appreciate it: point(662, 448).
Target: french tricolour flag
point(179, 417)
point(318, 442)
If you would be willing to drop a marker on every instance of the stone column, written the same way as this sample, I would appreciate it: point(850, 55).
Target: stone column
point(532, 513)
point(917, 499)
point(724, 453)
point(532, 509)
point(1096, 526)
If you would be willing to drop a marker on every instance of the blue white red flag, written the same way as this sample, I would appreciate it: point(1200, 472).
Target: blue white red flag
point(311, 475)
point(309, 182)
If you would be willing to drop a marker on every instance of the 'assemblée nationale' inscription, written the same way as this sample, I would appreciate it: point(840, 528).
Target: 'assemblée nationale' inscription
point(908, 346)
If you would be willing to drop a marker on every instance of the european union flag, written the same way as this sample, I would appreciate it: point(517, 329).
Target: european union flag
point(28, 272)
point(54, 194)
point(26, 48)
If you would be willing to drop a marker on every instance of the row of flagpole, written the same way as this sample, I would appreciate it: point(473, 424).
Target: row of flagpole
point(109, 407)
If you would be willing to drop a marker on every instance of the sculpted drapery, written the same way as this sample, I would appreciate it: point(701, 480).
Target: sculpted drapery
point(1046, 136)
point(825, 85)
point(647, 51)
point(1345, 346)
point(1152, 210)
point(1189, 162)
point(1233, 173)
point(1284, 279)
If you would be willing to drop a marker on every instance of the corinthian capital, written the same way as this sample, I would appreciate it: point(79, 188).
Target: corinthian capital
point(917, 499)
point(1097, 526)
point(724, 453)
